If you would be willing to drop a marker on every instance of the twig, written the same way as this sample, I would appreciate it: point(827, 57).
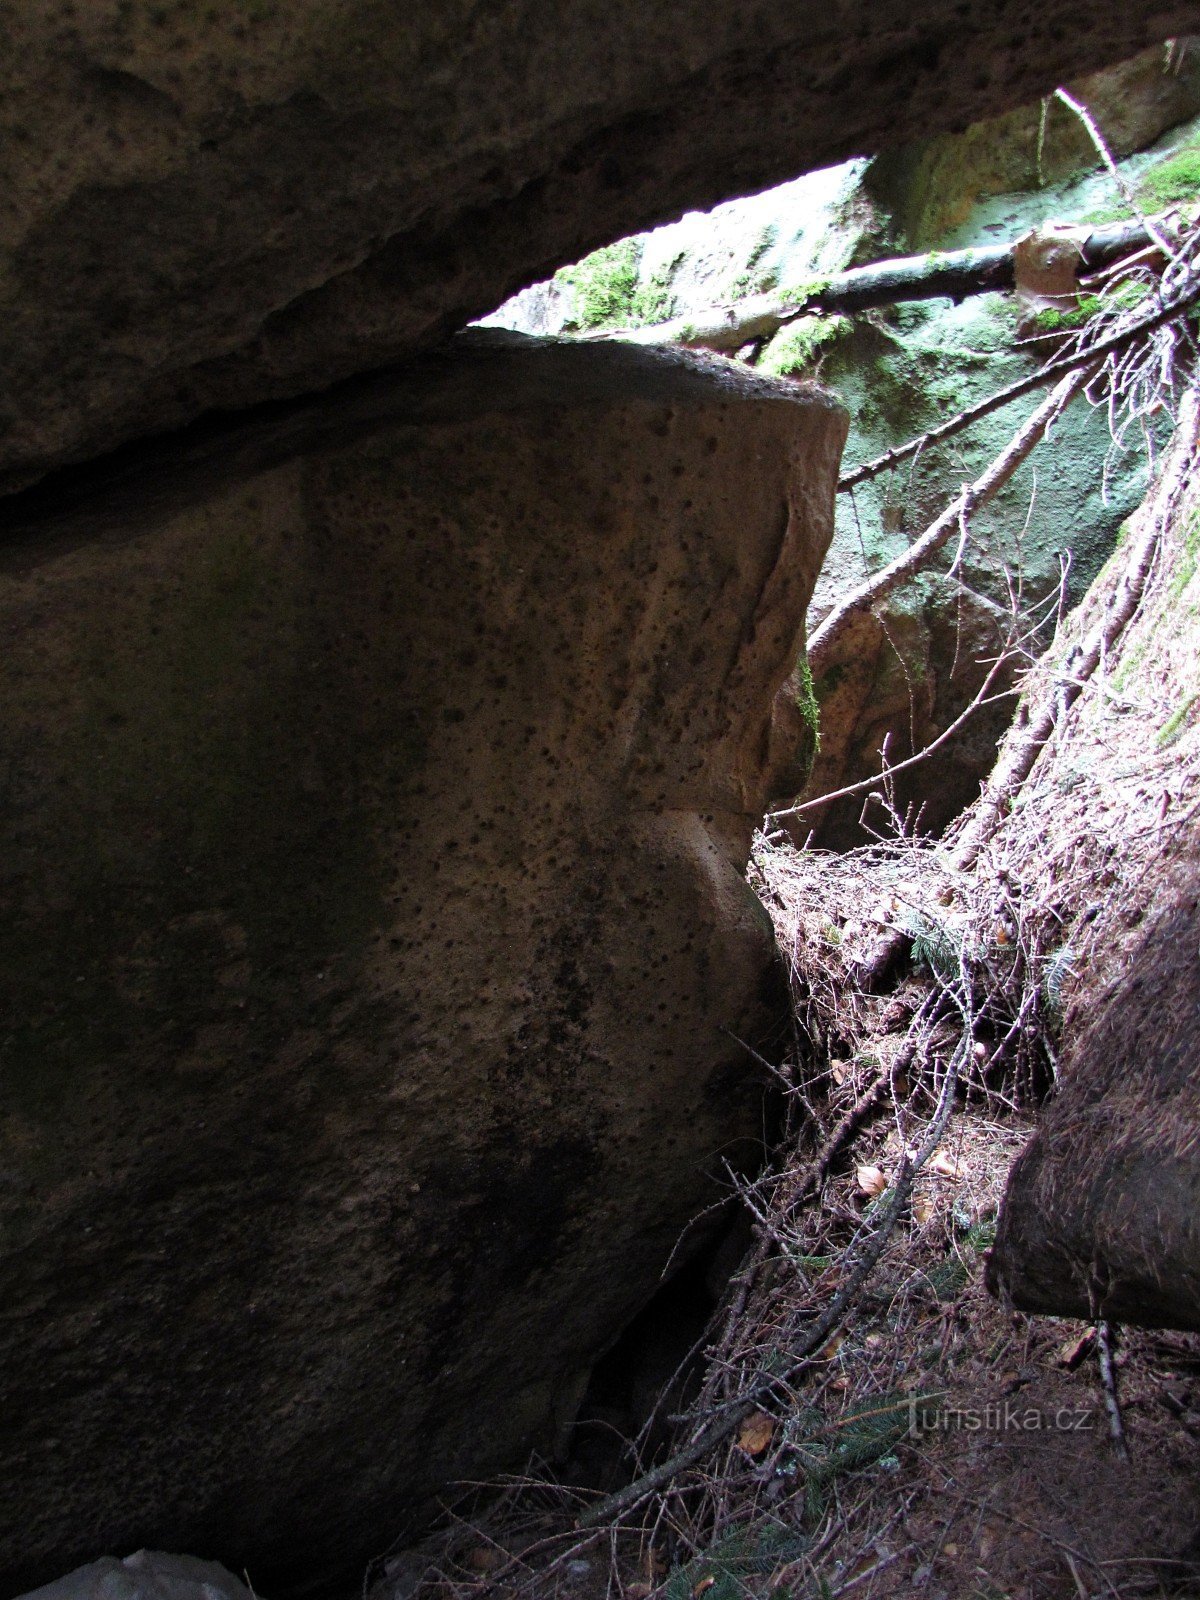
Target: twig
point(1108, 1383)
point(869, 1572)
point(810, 1179)
point(995, 476)
point(980, 699)
point(1123, 189)
point(723, 1425)
point(1073, 1569)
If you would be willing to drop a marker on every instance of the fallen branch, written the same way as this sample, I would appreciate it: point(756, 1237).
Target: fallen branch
point(1132, 331)
point(953, 275)
point(1108, 1383)
point(980, 698)
point(1038, 717)
point(832, 629)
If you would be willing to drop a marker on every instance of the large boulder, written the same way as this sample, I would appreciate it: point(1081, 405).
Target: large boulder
point(207, 206)
point(378, 780)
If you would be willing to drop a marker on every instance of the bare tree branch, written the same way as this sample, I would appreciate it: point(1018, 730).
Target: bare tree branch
point(880, 584)
point(1114, 172)
point(981, 698)
point(1038, 718)
point(953, 274)
point(1129, 334)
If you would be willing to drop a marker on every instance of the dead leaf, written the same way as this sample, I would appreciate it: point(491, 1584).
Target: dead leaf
point(1045, 264)
point(871, 1180)
point(922, 1209)
point(755, 1433)
point(840, 1073)
point(703, 1587)
point(945, 1166)
point(831, 1347)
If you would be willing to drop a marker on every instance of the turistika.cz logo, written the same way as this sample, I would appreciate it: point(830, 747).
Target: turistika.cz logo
point(997, 1416)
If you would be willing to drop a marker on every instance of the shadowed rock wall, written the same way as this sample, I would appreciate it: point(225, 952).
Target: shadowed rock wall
point(205, 206)
point(1101, 1215)
point(377, 788)
point(1102, 1212)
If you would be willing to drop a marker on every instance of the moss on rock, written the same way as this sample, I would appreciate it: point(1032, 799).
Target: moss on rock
point(797, 349)
point(605, 284)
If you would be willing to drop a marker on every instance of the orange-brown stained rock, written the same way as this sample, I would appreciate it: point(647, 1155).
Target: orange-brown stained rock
point(377, 787)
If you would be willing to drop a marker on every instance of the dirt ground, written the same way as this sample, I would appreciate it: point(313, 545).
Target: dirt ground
point(993, 1475)
point(1017, 1489)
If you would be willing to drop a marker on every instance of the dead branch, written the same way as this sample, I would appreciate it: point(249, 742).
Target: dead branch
point(1108, 1383)
point(808, 1181)
point(815, 1336)
point(1042, 712)
point(980, 698)
point(832, 629)
point(1128, 334)
point(1114, 172)
point(953, 275)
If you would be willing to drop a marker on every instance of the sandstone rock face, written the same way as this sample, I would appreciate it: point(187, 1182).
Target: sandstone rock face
point(1102, 1212)
point(906, 671)
point(206, 206)
point(377, 786)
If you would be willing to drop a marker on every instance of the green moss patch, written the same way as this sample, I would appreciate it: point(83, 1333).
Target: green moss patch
point(1176, 180)
point(1125, 297)
point(610, 292)
point(1175, 723)
point(810, 713)
point(605, 284)
point(795, 349)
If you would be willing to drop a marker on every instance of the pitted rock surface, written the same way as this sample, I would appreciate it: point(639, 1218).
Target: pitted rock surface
point(206, 206)
point(378, 782)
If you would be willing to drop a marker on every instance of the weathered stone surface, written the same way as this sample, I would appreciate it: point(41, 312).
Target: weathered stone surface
point(934, 188)
point(146, 1575)
point(208, 205)
point(1102, 1212)
point(377, 787)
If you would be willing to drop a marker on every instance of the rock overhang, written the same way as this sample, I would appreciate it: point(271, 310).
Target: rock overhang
point(209, 207)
